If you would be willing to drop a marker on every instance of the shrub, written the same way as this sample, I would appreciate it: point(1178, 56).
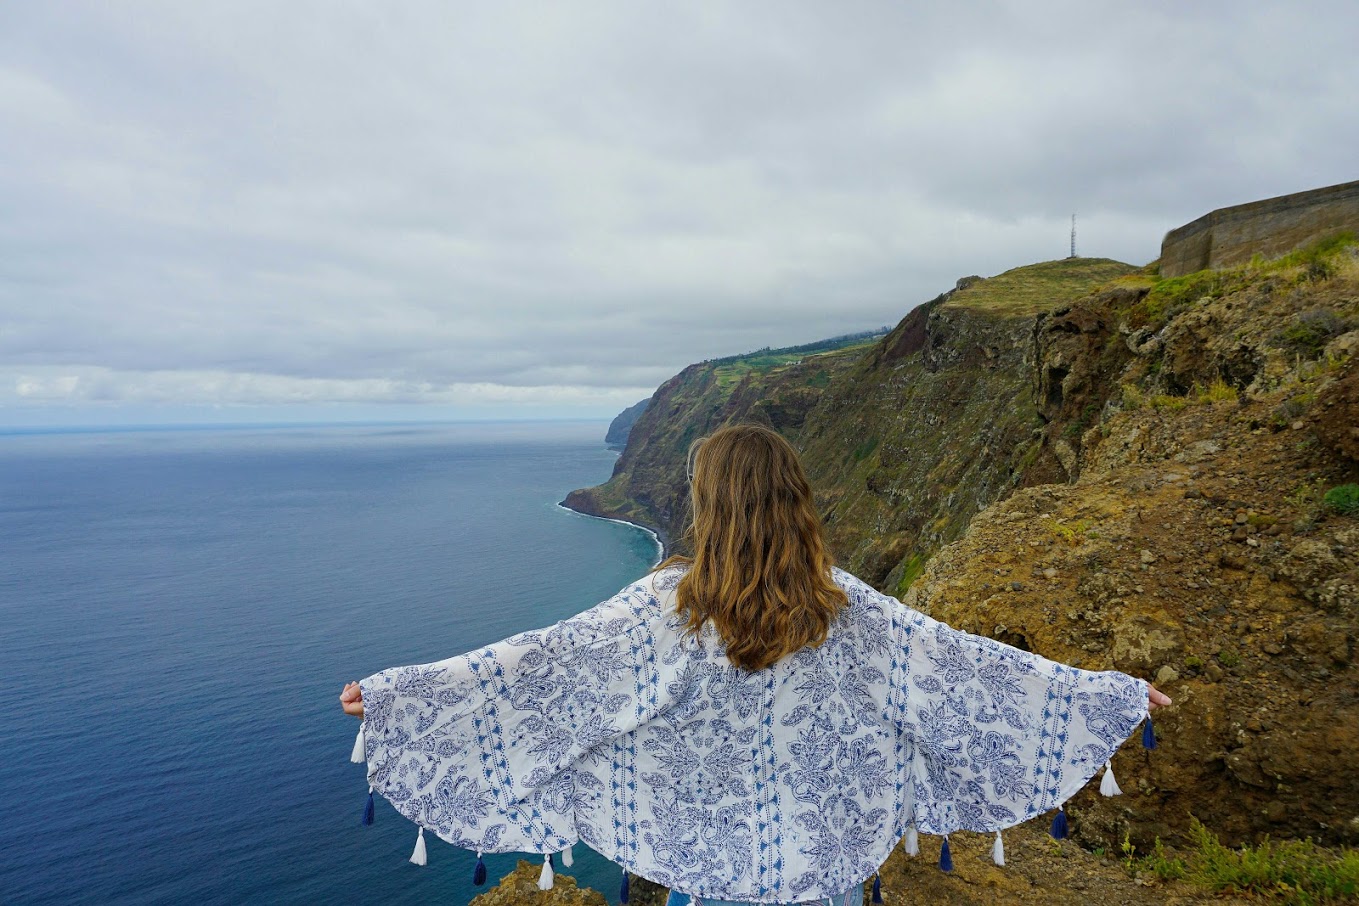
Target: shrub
point(1343, 499)
point(1295, 871)
point(1308, 335)
point(1216, 392)
point(1166, 402)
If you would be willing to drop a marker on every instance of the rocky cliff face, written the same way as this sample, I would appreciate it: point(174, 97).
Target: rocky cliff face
point(1191, 545)
point(616, 438)
point(905, 438)
point(1112, 469)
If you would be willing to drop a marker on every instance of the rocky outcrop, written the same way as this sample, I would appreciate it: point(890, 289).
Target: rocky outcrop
point(520, 888)
point(1128, 475)
point(616, 438)
point(1231, 236)
point(904, 438)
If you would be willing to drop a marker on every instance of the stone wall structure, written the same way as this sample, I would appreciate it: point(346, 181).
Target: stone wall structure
point(1231, 236)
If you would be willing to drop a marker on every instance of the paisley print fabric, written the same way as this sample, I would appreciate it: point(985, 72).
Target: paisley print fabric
point(617, 729)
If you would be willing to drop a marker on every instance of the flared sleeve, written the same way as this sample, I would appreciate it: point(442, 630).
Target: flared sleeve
point(484, 749)
point(993, 735)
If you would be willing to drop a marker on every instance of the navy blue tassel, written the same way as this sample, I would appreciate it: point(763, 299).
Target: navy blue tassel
point(623, 891)
point(877, 889)
point(1148, 735)
point(945, 857)
point(368, 809)
point(1059, 828)
point(479, 873)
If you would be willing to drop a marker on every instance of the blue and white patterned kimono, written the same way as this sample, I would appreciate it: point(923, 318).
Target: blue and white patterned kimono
point(618, 729)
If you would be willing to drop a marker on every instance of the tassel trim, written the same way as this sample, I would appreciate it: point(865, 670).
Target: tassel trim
point(1059, 826)
point(357, 756)
point(567, 858)
point(877, 889)
point(912, 846)
point(546, 879)
point(998, 851)
point(1108, 786)
point(1148, 734)
point(945, 857)
point(368, 809)
point(623, 888)
point(479, 873)
point(419, 857)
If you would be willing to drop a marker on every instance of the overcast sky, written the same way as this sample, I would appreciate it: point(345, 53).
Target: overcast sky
point(241, 210)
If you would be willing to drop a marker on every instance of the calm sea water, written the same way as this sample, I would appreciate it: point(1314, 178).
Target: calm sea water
point(178, 612)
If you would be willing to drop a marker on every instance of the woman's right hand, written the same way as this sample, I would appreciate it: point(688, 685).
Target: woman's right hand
point(351, 700)
point(1156, 698)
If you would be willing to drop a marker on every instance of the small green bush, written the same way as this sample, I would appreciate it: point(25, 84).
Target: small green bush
point(1294, 871)
point(1343, 499)
point(1308, 335)
point(1228, 658)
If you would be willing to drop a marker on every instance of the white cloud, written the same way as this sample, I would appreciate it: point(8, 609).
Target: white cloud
point(290, 203)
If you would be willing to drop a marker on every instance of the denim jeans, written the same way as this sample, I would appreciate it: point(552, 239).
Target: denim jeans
point(852, 897)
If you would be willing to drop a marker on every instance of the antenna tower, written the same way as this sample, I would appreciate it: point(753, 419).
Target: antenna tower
point(1073, 236)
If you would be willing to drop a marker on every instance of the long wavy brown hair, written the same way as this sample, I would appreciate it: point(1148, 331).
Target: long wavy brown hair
point(761, 569)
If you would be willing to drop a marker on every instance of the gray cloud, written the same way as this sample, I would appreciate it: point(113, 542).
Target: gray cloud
point(563, 204)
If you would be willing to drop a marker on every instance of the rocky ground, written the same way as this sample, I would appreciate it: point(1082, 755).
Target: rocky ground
point(1194, 550)
point(1038, 869)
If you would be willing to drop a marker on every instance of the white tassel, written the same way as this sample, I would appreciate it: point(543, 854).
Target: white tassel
point(998, 851)
point(546, 878)
point(912, 843)
point(357, 756)
point(418, 857)
point(567, 858)
point(1108, 786)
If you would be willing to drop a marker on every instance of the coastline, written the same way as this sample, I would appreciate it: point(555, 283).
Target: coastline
point(655, 535)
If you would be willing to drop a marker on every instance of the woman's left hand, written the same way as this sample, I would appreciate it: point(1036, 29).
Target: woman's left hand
point(1155, 698)
point(351, 699)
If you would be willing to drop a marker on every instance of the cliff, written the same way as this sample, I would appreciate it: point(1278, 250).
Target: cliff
point(616, 438)
point(905, 438)
point(1112, 468)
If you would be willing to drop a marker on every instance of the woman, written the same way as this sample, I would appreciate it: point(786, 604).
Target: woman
point(747, 725)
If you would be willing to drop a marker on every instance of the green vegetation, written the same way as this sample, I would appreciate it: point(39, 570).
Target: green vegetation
point(1287, 872)
point(865, 449)
point(1343, 499)
point(1027, 291)
point(1308, 335)
point(1228, 658)
point(1078, 425)
point(1315, 262)
point(1167, 402)
point(1071, 533)
point(730, 371)
point(915, 565)
point(766, 357)
point(1217, 392)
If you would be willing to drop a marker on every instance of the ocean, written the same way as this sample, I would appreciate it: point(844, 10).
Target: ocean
point(179, 610)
